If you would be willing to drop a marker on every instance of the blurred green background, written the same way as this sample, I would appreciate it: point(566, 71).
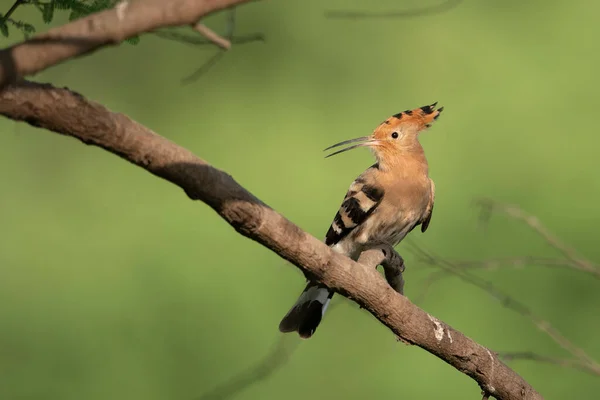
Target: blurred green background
point(114, 285)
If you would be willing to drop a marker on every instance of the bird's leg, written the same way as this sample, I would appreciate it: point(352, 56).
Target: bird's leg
point(393, 264)
point(393, 267)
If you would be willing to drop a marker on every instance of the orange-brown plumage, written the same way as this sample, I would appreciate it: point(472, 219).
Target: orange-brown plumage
point(382, 205)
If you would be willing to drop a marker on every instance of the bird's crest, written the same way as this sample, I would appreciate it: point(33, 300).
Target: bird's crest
point(423, 117)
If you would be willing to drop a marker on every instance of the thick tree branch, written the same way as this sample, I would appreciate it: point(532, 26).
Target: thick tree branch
point(69, 113)
point(110, 27)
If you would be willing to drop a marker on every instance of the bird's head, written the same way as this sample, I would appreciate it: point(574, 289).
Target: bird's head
point(396, 135)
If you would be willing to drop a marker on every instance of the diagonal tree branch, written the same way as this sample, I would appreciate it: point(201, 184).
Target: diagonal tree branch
point(69, 113)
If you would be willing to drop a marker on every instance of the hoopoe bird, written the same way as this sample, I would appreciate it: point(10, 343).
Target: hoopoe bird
point(382, 205)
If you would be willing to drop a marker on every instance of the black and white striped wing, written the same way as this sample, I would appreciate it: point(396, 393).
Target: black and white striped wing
point(360, 202)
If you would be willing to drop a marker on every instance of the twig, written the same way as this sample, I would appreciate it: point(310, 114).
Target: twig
point(204, 68)
point(230, 28)
point(281, 354)
point(12, 9)
point(521, 262)
point(212, 36)
point(275, 359)
point(416, 12)
point(506, 301)
point(196, 40)
point(563, 362)
point(578, 262)
point(460, 268)
point(516, 262)
point(492, 264)
point(432, 278)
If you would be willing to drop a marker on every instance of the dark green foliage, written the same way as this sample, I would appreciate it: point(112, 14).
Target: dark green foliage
point(75, 8)
point(133, 40)
point(63, 4)
point(3, 27)
point(48, 12)
point(24, 27)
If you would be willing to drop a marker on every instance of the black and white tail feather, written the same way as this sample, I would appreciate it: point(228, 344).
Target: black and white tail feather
point(359, 203)
point(307, 312)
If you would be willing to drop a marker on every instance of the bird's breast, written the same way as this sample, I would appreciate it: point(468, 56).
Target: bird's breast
point(400, 210)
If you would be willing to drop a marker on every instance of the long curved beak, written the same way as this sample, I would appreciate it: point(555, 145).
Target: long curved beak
point(364, 141)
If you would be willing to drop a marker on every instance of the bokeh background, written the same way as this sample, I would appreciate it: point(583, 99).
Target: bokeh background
point(114, 285)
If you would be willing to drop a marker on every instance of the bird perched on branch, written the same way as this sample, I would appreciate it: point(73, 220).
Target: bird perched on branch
point(383, 204)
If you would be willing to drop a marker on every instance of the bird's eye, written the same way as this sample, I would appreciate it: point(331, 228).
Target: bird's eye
point(395, 135)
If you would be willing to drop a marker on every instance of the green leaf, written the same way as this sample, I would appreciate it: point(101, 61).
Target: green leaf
point(4, 28)
point(63, 4)
point(133, 40)
point(48, 12)
point(79, 9)
point(101, 5)
point(75, 14)
point(27, 28)
point(24, 27)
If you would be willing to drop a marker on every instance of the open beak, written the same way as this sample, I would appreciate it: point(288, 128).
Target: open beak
point(362, 141)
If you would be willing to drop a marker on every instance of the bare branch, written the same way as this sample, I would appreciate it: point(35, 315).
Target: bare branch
point(211, 35)
point(493, 264)
point(69, 113)
point(432, 278)
point(563, 362)
point(461, 269)
point(506, 301)
point(12, 9)
point(277, 357)
point(197, 40)
point(204, 68)
point(520, 262)
point(415, 12)
point(201, 40)
point(217, 57)
point(576, 261)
